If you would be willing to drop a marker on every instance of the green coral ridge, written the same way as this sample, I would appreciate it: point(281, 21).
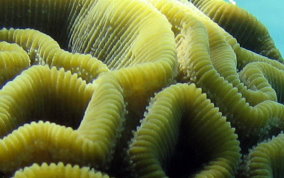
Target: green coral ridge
point(13, 59)
point(244, 26)
point(266, 159)
point(42, 49)
point(182, 111)
point(138, 88)
point(58, 170)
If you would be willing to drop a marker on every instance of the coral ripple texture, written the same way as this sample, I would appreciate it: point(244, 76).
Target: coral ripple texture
point(138, 88)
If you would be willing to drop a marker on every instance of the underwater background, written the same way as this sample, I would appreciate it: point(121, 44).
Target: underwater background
point(270, 13)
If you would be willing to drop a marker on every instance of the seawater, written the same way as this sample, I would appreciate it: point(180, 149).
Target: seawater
point(270, 13)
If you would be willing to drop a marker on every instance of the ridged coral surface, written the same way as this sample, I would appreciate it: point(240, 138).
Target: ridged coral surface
point(138, 88)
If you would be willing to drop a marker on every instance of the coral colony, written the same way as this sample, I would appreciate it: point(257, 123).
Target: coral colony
point(138, 88)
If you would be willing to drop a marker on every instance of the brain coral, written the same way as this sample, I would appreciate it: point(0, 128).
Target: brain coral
point(138, 88)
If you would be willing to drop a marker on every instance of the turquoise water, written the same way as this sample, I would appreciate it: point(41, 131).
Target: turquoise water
point(271, 14)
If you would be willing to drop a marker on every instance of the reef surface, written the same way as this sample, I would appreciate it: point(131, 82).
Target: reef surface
point(138, 88)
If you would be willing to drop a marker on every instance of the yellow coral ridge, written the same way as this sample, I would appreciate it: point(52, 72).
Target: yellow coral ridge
point(123, 33)
point(249, 32)
point(120, 33)
point(13, 59)
point(134, 40)
point(206, 55)
point(182, 112)
point(58, 170)
point(266, 159)
point(54, 18)
point(42, 49)
point(40, 93)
